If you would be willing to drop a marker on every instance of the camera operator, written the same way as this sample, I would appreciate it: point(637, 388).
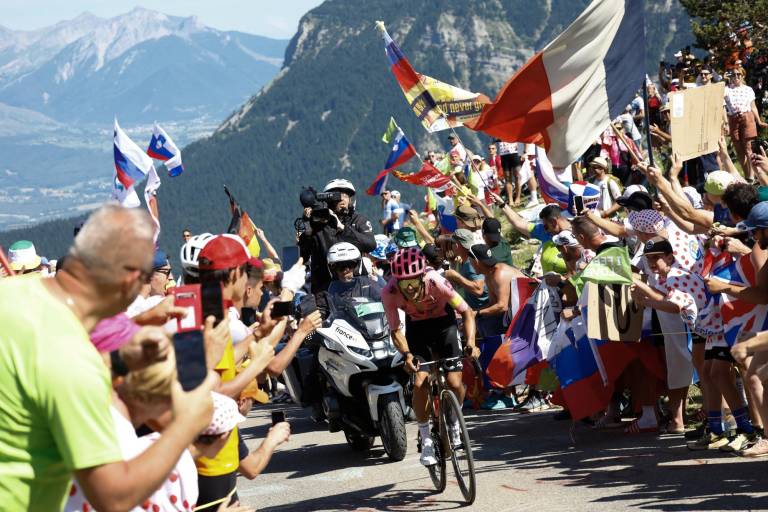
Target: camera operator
point(330, 218)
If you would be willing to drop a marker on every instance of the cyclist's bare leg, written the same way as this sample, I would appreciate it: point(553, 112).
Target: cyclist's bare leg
point(455, 384)
point(421, 396)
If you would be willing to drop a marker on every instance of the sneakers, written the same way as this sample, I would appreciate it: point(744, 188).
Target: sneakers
point(737, 442)
point(709, 441)
point(454, 434)
point(534, 404)
point(494, 402)
point(532, 203)
point(428, 457)
point(759, 449)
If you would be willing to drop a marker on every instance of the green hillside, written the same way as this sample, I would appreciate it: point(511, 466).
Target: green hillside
point(324, 114)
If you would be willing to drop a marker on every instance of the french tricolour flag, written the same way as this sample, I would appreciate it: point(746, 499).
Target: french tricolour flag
point(162, 147)
point(566, 95)
point(131, 163)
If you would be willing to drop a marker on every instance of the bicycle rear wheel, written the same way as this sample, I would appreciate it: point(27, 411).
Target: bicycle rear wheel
point(461, 453)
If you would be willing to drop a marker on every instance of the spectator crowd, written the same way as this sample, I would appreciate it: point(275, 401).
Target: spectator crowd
point(96, 418)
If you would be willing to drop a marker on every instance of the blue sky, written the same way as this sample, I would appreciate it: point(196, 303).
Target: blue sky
point(273, 18)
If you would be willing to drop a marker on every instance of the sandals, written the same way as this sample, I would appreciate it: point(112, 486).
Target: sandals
point(635, 428)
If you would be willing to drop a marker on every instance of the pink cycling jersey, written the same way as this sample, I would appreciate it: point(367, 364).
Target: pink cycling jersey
point(438, 293)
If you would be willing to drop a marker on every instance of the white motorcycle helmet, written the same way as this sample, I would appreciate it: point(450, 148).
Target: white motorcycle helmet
point(341, 252)
point(342, 185)
point(190, 252)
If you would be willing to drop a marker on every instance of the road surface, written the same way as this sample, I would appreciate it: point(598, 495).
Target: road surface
point(524, 462)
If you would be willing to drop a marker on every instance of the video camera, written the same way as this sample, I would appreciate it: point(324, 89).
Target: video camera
point(319, 203)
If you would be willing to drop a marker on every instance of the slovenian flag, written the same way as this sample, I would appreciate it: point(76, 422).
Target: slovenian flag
point(402, 151)
point(131, 163)
point(161, 147)
point(553, 191)
point(566, 95)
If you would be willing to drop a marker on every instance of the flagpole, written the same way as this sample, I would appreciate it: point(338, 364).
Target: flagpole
point(646, 121)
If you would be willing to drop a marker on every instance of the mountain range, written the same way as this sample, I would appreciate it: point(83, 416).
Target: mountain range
point(143, 65)
point(323, 115)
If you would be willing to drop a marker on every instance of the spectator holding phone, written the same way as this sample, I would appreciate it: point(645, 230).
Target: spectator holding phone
point(223, 261)
point(57, 422)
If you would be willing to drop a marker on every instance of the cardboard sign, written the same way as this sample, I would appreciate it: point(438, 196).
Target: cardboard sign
point(696, 120)
point(611, 313)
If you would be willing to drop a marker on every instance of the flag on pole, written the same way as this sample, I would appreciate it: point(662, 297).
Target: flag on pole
point(553, 191)
point(161, 147)
point(150, 197)
point(131, 163)
point(379, 185)
point(127, 197)
point(438, 105)
point(392, 129)
point(242, 225)
point(427, 176)
point(566, 95)
point(402, 151)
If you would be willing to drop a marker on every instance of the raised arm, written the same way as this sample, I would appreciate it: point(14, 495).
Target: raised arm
point(609, 227)
point(677, 200)
point(520, 224)
point(419, 227)
point(267, 246)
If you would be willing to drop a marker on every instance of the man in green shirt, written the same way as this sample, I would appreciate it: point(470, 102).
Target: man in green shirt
point(55, 390)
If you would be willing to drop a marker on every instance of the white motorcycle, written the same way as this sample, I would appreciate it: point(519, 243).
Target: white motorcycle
point(361, 375)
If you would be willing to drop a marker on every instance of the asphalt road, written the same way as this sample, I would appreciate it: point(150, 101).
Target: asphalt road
point(524, 462)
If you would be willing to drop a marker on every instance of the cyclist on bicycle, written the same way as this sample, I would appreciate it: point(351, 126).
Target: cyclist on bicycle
point(429, 302)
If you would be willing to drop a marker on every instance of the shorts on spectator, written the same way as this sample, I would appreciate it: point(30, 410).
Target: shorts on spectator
point(742, 126)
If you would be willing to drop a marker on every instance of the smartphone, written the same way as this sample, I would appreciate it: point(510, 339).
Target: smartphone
point(212, 301)
point(578, 202)
point(278, 417)
point(285, 308)
point(290, 256)
point(188, 297)
point(190, 358)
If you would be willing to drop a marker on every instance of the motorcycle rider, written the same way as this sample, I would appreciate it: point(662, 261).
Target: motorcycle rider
point(429, 302)
point(344, 225)
point(344, 262)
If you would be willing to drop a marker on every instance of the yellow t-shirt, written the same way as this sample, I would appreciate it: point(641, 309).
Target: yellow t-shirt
point(227, 460)
point(55, 394)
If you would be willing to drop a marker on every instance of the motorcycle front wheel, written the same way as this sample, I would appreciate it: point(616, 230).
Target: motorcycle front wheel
point(392, 427)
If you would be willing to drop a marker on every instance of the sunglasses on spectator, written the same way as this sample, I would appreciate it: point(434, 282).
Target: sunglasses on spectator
point(165, 271)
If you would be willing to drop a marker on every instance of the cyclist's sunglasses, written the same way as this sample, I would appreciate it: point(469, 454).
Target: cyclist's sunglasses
point(345, 265)
point(404, 284)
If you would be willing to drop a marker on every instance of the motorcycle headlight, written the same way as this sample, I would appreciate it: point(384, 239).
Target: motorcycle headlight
point(361, 352)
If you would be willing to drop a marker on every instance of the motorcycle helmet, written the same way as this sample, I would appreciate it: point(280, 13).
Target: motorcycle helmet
point(342, 185)
point(408, 263)
point(190, 252)
point(342, 252)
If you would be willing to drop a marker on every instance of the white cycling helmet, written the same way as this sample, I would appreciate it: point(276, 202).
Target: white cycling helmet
point(343, 251)
point(190, 251)
point(340, 185)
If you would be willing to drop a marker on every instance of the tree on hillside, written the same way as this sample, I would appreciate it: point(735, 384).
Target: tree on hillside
point(736, 29)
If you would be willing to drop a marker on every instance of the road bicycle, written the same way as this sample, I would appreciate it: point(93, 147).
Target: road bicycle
point(444, 408)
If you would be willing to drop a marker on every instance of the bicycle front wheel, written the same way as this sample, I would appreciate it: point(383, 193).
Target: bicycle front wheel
point(460, 446)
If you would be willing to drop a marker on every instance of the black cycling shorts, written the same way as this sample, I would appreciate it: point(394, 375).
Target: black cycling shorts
point(510, 163)
point(214, 490)
point(435, 338)
point(721, 353)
